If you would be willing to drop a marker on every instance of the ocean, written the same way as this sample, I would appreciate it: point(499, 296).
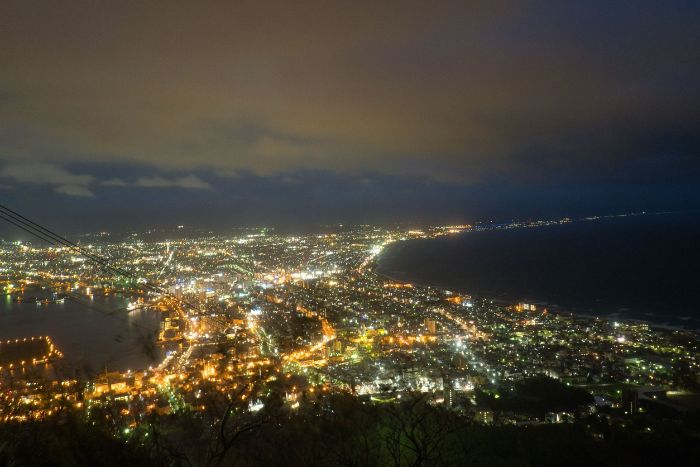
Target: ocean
point(644, 267)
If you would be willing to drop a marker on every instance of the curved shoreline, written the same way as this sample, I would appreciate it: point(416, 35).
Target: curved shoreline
point(555, 308)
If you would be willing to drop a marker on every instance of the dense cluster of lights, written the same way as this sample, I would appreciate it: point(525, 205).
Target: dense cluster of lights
point(309, 314)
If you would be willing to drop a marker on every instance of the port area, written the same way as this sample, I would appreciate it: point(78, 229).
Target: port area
point(26, 351)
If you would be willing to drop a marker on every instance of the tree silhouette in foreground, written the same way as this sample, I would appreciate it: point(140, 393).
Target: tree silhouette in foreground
point(333, 430)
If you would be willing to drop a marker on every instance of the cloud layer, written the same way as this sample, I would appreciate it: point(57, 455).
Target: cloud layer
point(187, 182)
point(460, 91)
point(67, 183)
point(263, 111)
point(60, 179)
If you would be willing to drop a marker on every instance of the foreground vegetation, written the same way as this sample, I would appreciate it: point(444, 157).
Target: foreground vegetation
point(338, 430)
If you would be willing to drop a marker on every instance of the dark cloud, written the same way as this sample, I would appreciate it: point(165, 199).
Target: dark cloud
point(464, 95)
point(190, 182)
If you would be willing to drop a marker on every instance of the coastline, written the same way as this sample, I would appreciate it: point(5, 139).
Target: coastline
point(553, 307)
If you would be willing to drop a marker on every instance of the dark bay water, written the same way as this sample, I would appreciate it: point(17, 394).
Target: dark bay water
point(636, 267)
point(92, 335)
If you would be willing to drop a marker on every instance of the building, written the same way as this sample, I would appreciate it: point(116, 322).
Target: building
point(484, 416)
point(448, 391)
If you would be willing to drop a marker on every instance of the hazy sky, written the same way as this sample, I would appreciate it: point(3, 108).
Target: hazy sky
point(121, 113)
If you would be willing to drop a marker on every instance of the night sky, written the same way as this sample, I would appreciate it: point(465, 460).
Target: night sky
point(121, 114)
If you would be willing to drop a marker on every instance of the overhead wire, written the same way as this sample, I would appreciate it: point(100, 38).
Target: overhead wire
point(52, 238)
point(57, 240)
